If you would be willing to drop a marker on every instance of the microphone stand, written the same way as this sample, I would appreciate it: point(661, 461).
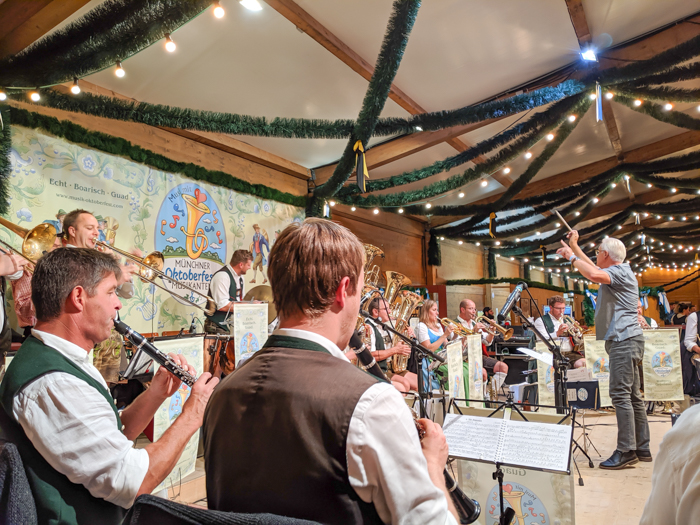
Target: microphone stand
point(421, 353)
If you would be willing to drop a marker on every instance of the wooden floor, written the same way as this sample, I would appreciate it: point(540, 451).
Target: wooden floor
point(610, 497)
point(614, 497)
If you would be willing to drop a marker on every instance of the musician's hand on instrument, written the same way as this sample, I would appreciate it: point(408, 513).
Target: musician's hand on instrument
point(199, 397)
point(434, 445)
point(480, 327)
point(448, 332)
point(11, 263)
point(401, 349)
point(561, 332)
point(410, 333)
point(128, 271)
point(166, 384)
point(565, 251)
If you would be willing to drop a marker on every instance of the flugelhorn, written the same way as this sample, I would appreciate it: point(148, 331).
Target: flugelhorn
point(461, 331)
point(35, 242)
point(572, 327)
point(493, 327)
point(151, 267)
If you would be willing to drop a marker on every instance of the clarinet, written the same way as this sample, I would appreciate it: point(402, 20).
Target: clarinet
point(140, 343)
point(467, 508)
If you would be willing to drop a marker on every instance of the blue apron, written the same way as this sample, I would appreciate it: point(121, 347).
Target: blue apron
point(433, 384)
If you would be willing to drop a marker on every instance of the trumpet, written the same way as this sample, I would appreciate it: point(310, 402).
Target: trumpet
point(461, 331)
point(492, 327)
point(151, 267)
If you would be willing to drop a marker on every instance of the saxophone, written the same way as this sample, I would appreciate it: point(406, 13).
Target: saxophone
point(404, 305)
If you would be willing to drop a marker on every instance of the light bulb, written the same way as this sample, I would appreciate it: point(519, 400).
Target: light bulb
point(668, 106)
point(169, 44)
point(609, 95)
point(34, 95)
point(595, 200)
point(673, 190)
point(550, 136)
point(442, 238)
point(120, 70)
point(459, 242)
point(75, 88)
point(353, 208)
point(478, 244)
point(376, 211)
point(558, 225)
point(572, 118)
point(498, 243)
point(461, 195)
point(484, 183)
point(418, 128)
point(251, 5)
point(218, 10)
point(332, 203)
point(537, 233)
point(3, 95)
point(512, 258)
point(400, 210)
point(577, 213)
point(592, 96)
point(528, 155)
point(428, 205)
point(649, 185)
point(506, 170)
point(613, 185)
point(526, 260)
point(637, 102)
point(517, 239)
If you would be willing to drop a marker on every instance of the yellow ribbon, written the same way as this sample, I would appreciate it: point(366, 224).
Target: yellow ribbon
point(544, 254)
point(359, 150)
point(491, 218)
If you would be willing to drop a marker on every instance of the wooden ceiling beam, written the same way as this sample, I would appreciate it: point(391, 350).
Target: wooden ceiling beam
point(622, 204)
point(611, 126)
point(24, 22)
point(578, 20)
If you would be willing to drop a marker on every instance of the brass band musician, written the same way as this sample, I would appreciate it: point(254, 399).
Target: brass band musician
point(467, 318)
point(553, 324)
point(227, 288)
point(645, 322)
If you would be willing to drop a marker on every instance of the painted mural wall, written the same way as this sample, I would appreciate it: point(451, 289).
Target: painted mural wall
point(197, 226)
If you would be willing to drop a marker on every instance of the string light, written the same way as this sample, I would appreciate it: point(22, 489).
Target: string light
point(34, 95)
point(650, 185)
point(169, 44)
point(461, 195)
point(512, 258)
point(668, 106)
point(550, 136)
point(537, 233)
point(460, 242)
point(428, 205)
point(376, 211)
point(609, 95)
point(3, 95)
point(572, 118)
point(592, 96)
point(484, 183)
point(442, 238)
point(577, 213)
point(595, 200)
point(400, 210)
point(332, 203)
point(251, 5)
point(528, 155)
point(506, 170)
point(637, 102)
point(119, 71)
point(613, 185)
point(673, 190)
point(517, 239)
point(418, 128)
point(498, 243)
point(75, 88)
point(218, 10)
point(478, 244)
point(558, 225)
point(526, 260)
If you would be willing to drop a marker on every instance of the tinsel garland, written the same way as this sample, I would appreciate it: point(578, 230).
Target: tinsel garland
point(114, 30)
point(675, 74)
point(675, 118)
point(529, 132)
point(492, 268)
point(434, 252)
point(117, 146)
point(395, 40)
point(5, 165)
point(662, 93)
point(504, 280)
point(526, 272)
point(192, 119)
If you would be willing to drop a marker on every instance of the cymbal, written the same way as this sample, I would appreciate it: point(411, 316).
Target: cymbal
point(263, 293)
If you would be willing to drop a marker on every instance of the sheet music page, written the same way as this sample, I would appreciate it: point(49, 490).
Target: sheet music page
point(472, 437)
point(535, 445)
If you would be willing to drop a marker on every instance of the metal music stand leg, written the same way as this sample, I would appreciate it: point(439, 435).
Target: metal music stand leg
point(507, 515)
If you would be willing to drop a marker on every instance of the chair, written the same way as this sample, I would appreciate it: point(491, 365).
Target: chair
point(150, 509)
point(16, 500)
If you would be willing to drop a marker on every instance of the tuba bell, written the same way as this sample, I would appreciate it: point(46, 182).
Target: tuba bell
point(394, 282)
point(404, 305)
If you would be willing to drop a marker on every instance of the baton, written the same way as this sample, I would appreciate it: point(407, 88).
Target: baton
point(562, 220)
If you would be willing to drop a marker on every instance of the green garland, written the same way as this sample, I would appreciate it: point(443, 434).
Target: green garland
point(675, 74)
point(492, 268)
point(675, 118)
point(121, 147)
point(395, 40)
point(509, 280)
point(114, 30)
point(588, 311)
point(5, 165)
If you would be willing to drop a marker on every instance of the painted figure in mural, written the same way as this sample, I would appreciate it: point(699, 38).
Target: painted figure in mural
point(77, 449)
point(101, 225)
point(58, 223)
point(256, 248)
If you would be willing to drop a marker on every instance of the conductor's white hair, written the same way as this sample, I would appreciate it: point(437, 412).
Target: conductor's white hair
point(615, 248)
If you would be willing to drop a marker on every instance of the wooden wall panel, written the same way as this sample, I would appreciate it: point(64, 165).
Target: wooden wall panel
point(506, 268)
point(689, 293)
point(402, 252)
point(460, 262)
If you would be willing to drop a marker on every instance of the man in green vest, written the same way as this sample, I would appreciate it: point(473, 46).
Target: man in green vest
point(553, 324)
point(226, 288)
point(77, 449)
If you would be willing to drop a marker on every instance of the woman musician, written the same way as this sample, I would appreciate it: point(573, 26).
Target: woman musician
point(431, 334)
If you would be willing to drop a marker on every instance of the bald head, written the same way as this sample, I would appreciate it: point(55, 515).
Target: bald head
point(467, 309)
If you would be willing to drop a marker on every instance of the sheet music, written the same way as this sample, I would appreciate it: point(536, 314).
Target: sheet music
point(536, 445)
point(472, 437)
point(517, 443)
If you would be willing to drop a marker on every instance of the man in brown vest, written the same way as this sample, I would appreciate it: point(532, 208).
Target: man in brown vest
point(297, 430)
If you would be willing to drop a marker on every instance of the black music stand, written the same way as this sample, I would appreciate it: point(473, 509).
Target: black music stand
point(507, 515)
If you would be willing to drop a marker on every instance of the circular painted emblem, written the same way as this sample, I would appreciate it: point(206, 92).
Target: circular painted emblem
point(601, 368)
point(582, 394)
point(249, 344)
point(190, 235)
point(661, 364)
point(527, 506)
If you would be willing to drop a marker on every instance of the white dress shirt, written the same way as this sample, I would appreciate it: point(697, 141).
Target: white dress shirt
point(74, 428)
point(386, 466)
point(470, 326)
point(675, 482)
point(691, 331)
point(12, 277)
point(564, 342)
point(221, 283)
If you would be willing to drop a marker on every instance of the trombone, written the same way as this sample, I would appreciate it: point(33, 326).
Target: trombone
point(35, 242)
point(151, 266)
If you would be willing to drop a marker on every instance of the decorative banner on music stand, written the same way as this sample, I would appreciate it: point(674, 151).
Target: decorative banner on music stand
point(249, 329)
point(598, 363)
point(663, 380)
point(191, 349)
point(476, 367)
point(545, 381)
point(455, 371)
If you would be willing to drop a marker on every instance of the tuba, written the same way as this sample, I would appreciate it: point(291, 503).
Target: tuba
point(404, 305)
point(394, 282)
point(369, 290)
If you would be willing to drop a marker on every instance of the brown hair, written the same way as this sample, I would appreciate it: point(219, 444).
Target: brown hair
point(241, 256)
point(374, 304)
point(555, 299)
point(307, 263)
point(70, 219)
point(427, 305)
